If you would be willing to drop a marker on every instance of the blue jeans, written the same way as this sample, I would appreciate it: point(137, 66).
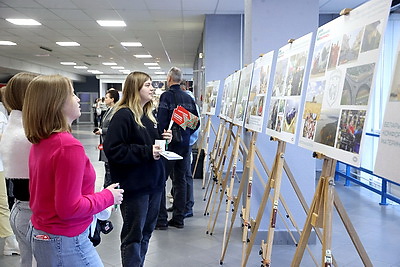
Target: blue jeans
point(60, 250)
point(139, 213)
point(19, 219)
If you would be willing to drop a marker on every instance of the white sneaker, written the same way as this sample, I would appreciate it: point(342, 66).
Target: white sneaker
point(11, 246)
point(169, 195)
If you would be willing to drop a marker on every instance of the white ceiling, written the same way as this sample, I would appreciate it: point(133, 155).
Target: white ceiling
point(170, 30)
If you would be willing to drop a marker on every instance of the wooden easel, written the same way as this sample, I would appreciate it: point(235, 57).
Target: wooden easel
point(219, 183)
point(320, 216)
point(235, 200)
point(229, 190)
point(203, 146)
point(224, 182)
point(246, 210)
point(274, 182)
point(214, 154)
point(218, 169)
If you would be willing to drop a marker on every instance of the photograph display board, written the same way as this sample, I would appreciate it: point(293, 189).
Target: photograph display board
point(345, 57)
point(225, 93)
point(243, 95)
point(232, 95)
point(210, 97)
point(258, 92)
point(287, 89)
point(387, 158)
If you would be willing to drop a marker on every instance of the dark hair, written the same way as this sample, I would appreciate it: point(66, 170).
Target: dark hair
point(113, 94)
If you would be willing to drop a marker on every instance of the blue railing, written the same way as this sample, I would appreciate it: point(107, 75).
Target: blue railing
point(384, 182)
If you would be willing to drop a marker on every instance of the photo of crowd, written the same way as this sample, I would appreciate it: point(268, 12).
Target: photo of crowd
point(350, 130)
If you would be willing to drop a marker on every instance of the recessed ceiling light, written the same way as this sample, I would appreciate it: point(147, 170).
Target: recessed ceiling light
point(68, 43)
point(154, 68)
point(159, 72)
point(95, 71)
point(109, 64)
point(111, 23)
point(134, 44)
point(117, 68)
point(25, 22)
point(7, 43)
point(68, 63)
point(80, 67)
point(142, 56)
point(151, 64)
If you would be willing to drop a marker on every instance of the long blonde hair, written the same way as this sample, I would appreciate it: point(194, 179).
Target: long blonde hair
point(131, 97)
point(42, 113)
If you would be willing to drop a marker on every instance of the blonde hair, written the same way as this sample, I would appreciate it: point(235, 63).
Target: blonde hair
point(14, 92)
point(42, 114)
point(131, 97)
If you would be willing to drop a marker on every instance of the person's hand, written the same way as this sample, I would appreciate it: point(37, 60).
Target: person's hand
point(156, 152)
point(117, 193)
point(97, 131)
point(167, 135)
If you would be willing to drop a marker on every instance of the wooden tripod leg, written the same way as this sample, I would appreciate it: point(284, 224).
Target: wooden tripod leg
point(220, 169)
point(319, 214)
point(246, 214)
point(232, 164)
point(261, 209)
point(216, 164)
point(236, 201)
point(351, 231)
point(276, 184)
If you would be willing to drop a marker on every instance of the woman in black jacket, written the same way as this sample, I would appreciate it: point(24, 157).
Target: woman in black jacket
point(134, 163)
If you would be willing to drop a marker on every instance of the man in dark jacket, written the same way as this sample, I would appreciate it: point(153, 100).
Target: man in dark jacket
point(169, 100)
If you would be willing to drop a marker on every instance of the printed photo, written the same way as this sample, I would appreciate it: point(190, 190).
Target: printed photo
point(350, 130)
point(395, 92)
point(326, 127)
point(291, 113)
point(320, 59)
point(334, 54)
point(280, 77)
point(310, 120)
point(357, 85)
point(294, 80)
point(273, 114)
point(264, 79)
point(350, 47)
point(372, 36)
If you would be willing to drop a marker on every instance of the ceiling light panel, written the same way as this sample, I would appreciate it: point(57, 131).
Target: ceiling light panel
point(109, 64)
point(68, 43)
point(151, 64)
point(7, 43)
point(67, 63)
point(111, 23)
point(24, 22)
point(154, 68)
point(142, 56)
point(131, 44)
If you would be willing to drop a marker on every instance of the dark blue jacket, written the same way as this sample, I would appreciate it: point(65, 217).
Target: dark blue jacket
point(166, 107)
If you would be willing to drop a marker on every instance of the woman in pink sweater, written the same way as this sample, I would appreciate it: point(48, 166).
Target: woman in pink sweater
point(62, 179)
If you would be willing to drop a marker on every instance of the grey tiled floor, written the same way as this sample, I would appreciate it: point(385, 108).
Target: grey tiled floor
point(377, 226)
